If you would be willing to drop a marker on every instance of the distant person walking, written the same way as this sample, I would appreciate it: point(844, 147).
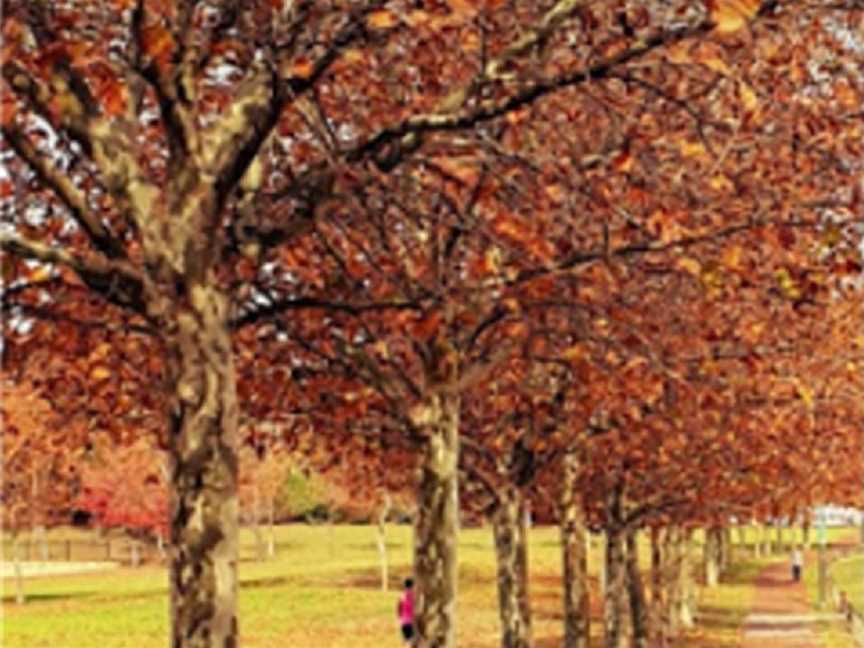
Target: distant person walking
point(797, 564)
point(405, 612)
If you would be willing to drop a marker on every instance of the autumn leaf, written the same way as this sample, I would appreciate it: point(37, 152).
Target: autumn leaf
point(157, 42)
point(426, 327)
point(732, 257)
point(732, 15)
point(748, 97)
point(692, 149)
point(623, 162)
point(100, 373)
point(689, 265)
point(805, 394)
point(382, 19)
point(721, 183)
point(302, 68)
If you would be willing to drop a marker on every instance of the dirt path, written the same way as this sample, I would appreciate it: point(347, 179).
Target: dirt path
point(782, 616)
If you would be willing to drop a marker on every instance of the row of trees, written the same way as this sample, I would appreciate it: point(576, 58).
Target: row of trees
point(602, 254)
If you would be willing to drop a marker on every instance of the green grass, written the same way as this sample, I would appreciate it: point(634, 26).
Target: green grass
point(848, 576)
point(322, 590)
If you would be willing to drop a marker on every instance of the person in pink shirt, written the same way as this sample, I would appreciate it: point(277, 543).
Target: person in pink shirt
point(405, 612)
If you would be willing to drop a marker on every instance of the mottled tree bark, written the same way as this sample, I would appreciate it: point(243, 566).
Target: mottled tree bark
point(574, 554)
point(636, 594)
point(659, 620)
point(615, 594)
point(508, 525)
point(203, 429)
point(436, 530)
point(672, 571)
point(522, 565)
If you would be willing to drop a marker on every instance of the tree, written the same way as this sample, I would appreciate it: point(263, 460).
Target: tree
point(264, 468)
point(127, 489)
point(39, 470)
point(208, 155)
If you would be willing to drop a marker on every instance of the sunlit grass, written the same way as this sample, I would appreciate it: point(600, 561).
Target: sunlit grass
point(323, 590)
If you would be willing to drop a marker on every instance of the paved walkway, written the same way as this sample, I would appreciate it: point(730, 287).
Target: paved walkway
point(781, 616)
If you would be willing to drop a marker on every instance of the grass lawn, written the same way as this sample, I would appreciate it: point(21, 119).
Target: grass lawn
point(323, 590)
point(848, 576)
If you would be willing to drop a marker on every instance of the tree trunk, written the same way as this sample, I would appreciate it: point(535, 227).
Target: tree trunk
point(436, 530)
point(508, 526)
point(522, 563)
point(767, 549)
point(203, 415)
point(382, 540)
point(574, 545)
point(19, 576)
point(659, 620)
point(757, 543)
point(614, 597)
point(271, 528)
point(602, 550)
point(712, 551)
point(636, 593)
point(686, 614)
point(134, 552)
point(672, 577)
point(42, 541)
point(779, 530)
point(742, 535)
point(160, 546)
point(727, 549)
point(260, 549)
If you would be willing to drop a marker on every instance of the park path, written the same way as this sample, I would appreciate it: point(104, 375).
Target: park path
point(782, 616)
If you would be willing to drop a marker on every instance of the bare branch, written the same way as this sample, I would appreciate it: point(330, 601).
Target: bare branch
point(310, 303)
point(71, 196)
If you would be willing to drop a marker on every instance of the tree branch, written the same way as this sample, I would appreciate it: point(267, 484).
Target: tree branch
point(240, 135)
point(313, 303)
point(119, 282)
point(71, 196)
point(492, 109)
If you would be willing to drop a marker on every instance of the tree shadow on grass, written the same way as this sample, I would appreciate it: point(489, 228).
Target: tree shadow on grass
point(370, 577)
point(721, 619)
point(271, 581)
point(44, 597)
